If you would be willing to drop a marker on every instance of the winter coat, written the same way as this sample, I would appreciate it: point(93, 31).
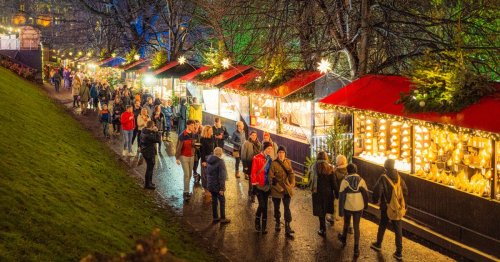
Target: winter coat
point(141, 122)
point(216, 174)
point(84, 93)
point(217, 131)
point(325, 194)
point(382, 190)
point(340, 173)
point(126, 100)
point(207, 148)
point(237, 139)
point(150, 108)
point(282, 181)
point(353, 191)
point(195, 112)
point(77, 84)
point(149, 138)
point(261, 165)
point(127, 120)
point(118, 110)
point(159, 120)
point(167, 113)
point(105, 116)
point(93, 91)
point(185, 140)
point(248, 152)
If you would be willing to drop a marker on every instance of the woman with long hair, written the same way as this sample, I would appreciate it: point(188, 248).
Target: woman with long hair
point(324, 189)
point(207, 148)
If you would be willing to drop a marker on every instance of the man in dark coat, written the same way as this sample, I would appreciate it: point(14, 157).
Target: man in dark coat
point(382, 193)
point(216, 184)
point(149, 137)
point(220, 133)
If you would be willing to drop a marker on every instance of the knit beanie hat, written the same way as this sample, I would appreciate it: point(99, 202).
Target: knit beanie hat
point(389, 164)
point(266, 145)
point(352, 169)
point(281, 148)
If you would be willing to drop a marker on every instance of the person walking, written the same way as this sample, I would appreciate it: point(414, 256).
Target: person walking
point(142, 120)
point(382, 193)
point(185, 155)
point(323, 187)
point(149, 105)
point(216, 184)
point(181, 124)
point(197, 130)
point(150, 136)
point(195, 112)
point(340, 171)
point(57, 80)
point(126, 97)
point(249, 149)
point(261, 165)
point(282, 183)
point(206, 149)
point(353, 200)
point(84, 96)
point(94, 95)
point(137, 111)
point(168, 113)
point(220, 133)
point(266, 137)
point(159, 119)
point(105, 119)
point(237, 140)
point(128, 124)
point(77, 83)
point(118, 110)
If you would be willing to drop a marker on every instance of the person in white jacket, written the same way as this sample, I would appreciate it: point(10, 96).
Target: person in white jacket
point(353, 199)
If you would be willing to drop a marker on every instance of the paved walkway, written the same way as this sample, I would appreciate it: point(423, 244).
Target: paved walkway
point(238, 240)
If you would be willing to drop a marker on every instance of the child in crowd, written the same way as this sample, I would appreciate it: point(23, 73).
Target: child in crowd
point(105, 119)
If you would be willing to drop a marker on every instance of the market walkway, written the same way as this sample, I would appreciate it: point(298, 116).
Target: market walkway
point(238, 240)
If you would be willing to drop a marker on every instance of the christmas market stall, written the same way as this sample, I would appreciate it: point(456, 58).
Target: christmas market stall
point(205, 84)
point(288, 111)
point(450, 162)
point(167, 80)
point(132, 76)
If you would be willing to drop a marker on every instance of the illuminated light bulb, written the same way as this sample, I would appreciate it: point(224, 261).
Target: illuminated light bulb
point(394, 131)
point(418, 129)
point(368, 140)
point(381, 147)
point(405, 147)
point(405, 154)
point(424, 129)
point(405, 125)
point(383, 121)
point(396, 123)
point(418, 160)
point(440, 152)
point(368, 134)
point(418, 137)
point(418, 152)
point(369, 128)
point(382, 140)
point(405, 132)
point(382, 133)
point(405, 139)
point(394, 137)
point(449, 162)
point(382, 127)
point(426, 137)
point(394, 144)
point(368, 121)
point(426, 144)
point(368, 147)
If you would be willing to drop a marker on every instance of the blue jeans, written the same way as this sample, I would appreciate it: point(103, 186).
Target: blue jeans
point(105, 128)
point(217, 198)
point(127, 139)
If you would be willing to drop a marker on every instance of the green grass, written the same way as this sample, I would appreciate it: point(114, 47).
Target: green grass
point(62, 194)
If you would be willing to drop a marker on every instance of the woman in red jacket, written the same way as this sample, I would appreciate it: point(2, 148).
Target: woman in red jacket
point(261, 164)
point(128, 124)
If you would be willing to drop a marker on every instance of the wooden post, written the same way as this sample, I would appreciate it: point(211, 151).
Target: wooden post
point(278, 116)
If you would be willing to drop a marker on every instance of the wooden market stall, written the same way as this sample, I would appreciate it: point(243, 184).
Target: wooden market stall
point(132, 77)
point(450, 162)
point(167, 78)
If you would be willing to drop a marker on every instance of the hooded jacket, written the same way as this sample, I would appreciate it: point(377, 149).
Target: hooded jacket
point(149, 138)
point(195, 112)
point(383, 190)
point(216, 174)
point(353, 191)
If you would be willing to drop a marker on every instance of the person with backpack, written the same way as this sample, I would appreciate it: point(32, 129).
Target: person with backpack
point(353, 199)
point(390, 190)
point(150, 136)
point(216, 184)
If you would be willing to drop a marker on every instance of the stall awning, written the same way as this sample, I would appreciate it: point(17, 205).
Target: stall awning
point(299, 81)
point(193, 74)
point(165, 68)
point(227, 75)
point(379, 93)
point(112, 61)
point(135, 65)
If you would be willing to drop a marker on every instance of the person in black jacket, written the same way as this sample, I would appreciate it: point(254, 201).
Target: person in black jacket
point(382, 193)
point(181, 124)
point(149, 138)
point(220, 133)
point(324, 189)
point(207, 148)
point(216, 184)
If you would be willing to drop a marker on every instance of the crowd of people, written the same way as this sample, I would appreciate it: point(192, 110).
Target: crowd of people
point(199, 151)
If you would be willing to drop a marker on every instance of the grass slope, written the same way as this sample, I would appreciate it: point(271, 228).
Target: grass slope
point(62, 194)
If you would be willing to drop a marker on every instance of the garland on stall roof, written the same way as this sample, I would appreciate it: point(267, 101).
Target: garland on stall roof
point(377, 115)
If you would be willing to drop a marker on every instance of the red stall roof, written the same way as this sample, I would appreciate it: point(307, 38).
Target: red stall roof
point(379, 93)
point(299, 81)
point(165, 68)
point(226, 75)
point(134, 64)
point(193, 74)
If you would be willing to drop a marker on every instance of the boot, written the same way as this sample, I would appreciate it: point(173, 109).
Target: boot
point(257, 224)
point(237, 174)
point(288, 230)
point(277, 226)
point(264, 226)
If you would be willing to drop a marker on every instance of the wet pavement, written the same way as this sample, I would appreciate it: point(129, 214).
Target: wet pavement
point(238, 241)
